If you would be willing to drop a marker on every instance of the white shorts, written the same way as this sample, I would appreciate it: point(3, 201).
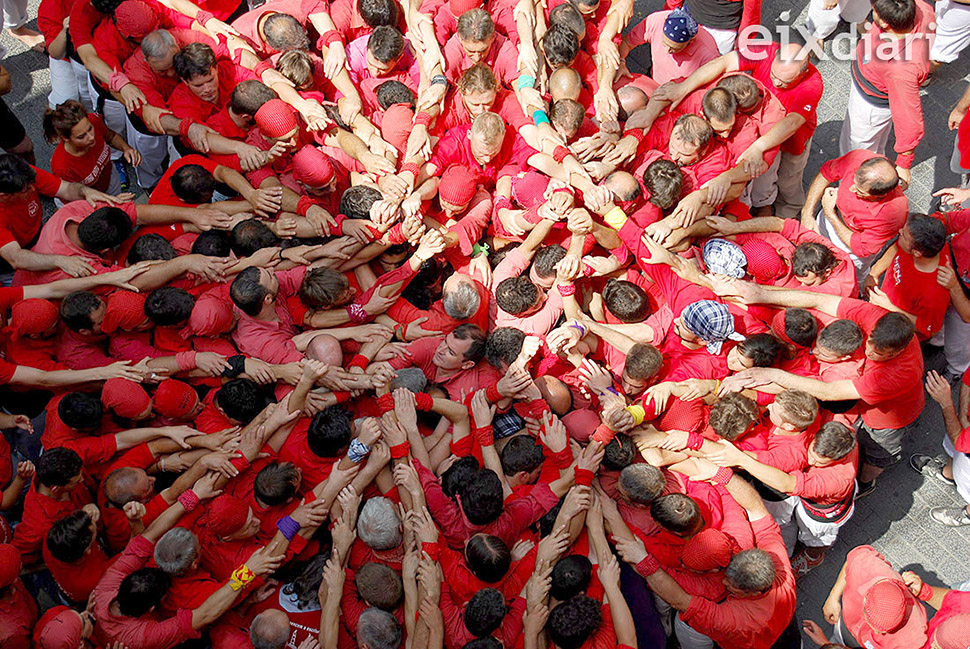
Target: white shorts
point(952, 31)
point(816, 534)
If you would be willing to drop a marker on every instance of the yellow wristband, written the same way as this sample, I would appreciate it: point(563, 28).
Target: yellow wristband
point(615, 218)
point(638, 413)
point(241, 577)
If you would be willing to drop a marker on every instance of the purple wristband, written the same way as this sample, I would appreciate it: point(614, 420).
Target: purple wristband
point(288, 527)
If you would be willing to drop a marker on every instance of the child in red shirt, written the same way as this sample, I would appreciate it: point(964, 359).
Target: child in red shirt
point(82, 153)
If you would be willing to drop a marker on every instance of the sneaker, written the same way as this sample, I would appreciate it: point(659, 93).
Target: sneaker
point(931, 467)
point(865, 488)
point(122, 175)
point(802, 563)
point(950, 516)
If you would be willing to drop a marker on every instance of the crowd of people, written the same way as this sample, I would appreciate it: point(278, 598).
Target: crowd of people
point(383, 324)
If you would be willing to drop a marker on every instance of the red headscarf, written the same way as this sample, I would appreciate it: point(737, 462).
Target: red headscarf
point(31, 318)
point(125, 398)
point(125, 310)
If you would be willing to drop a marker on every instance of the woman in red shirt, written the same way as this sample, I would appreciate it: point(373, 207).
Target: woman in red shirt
point(82, 153)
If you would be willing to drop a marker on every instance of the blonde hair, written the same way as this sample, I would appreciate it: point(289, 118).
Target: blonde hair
point(489, 126)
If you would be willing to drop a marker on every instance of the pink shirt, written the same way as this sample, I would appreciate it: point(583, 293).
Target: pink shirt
point(502, 59)
point(537, 324)
point(147, 631)
point(272, 340)
point(672, 66)
point(53, 240)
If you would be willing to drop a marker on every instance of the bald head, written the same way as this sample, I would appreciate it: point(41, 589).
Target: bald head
point(631, 100)
point(789, 65)
point(121, 485)
point(876, 176)
point(565, 83)
point(623, 185)
point(270, 630)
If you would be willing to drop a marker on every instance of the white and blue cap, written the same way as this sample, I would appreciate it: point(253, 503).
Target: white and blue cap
point(723, 257)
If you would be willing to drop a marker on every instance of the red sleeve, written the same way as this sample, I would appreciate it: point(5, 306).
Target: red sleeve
point(751, 14)
point(47, 183)
point(834, 170)
point(50, 19)
point(864, 314)
point(84, 19)
point(443, 509)
point(6, 372)
point(456, 635)
point(97, 449)
point(403, 273)
point(10, 295)
point(351, 606)
point(903, 88)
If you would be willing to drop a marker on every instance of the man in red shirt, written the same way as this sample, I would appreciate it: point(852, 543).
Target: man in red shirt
point(820, 495)
point(21, 186)
point(862, 215)
point(476, 42)
point(454, 361)
point(754, 614)
point(871, 605)
point(890, 65)
point(889, 387)
point(910, 285)
point(18, 610)
point(58, 489)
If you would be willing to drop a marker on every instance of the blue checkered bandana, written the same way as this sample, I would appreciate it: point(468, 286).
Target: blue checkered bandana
point(711, 322)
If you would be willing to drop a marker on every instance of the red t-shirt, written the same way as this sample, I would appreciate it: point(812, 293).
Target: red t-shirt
point(21, 214)
point(863, 568)
point(917, 293)
point(455, 148)
point(93, 169)
point(801, 99)
point(754, 622)
point(955, 602)
point(873, 222)
point(892, 391)
point(163, 194)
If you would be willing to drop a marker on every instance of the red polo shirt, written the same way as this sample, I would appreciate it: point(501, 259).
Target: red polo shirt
point(873, 222)
point(892, 391)
point(800, 99)
point(455, 148)
point(754, 622)
point(21, 214)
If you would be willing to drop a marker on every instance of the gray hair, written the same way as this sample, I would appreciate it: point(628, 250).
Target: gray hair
point(412, 378)
point(378, 629)
point(379, 525)
point(157, 44)
point(463, 302)
point(752, 571)
point(269, 630)
point(176, 551)
point(643, 483)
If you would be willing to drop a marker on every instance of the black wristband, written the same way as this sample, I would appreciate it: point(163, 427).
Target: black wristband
point(237, 366)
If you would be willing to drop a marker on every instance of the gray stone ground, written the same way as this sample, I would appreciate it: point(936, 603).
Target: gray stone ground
point(894, 519)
